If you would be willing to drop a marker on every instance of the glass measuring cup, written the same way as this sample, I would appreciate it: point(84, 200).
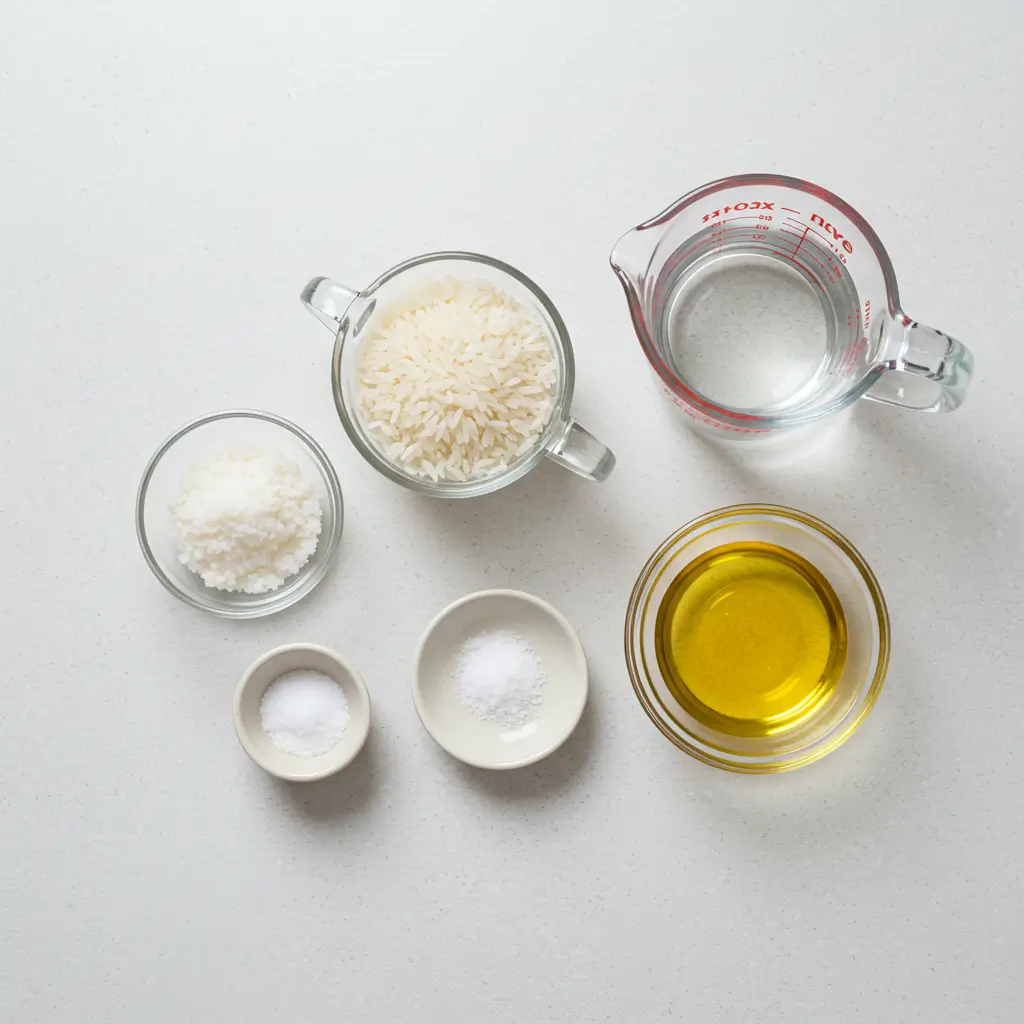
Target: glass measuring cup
point(765, 302)
point(349, 313)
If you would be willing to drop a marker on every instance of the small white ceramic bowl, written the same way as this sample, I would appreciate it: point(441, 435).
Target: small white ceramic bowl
point(487, 744)
point(258, 745)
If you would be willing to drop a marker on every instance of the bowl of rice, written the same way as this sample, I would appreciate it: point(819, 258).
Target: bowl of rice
point(239, 513)
point(453, 374)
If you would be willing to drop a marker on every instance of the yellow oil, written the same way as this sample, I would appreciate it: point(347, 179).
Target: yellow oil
point(751, 639)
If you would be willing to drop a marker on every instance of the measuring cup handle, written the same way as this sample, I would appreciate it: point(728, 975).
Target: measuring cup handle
point(924, 369)
point(327, 301)
point(577, 449)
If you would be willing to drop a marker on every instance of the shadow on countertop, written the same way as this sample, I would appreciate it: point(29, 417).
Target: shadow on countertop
point(346, 793)
point(538, 782)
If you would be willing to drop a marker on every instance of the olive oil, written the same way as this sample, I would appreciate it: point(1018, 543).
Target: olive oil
point(751, 639)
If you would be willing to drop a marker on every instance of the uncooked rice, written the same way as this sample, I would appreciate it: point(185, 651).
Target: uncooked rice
point(456, 381)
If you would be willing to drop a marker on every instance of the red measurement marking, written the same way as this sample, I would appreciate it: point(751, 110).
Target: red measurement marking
point(693, 248)
point(807, 270)
point(701, 417)
point(807, 251)
point(824, 238)
point(847, 365)
point(789, 209)
point(798, 223)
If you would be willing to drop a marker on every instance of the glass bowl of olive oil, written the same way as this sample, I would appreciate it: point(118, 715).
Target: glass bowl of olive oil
point(757, 638)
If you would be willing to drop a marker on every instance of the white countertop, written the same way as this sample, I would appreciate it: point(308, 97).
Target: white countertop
point(172, 176)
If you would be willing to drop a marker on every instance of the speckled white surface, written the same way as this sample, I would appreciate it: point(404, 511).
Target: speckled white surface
point(172, 177)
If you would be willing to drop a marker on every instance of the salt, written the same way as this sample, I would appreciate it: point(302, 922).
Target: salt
point(246, 520)
point(500, 678)
point(304, 713)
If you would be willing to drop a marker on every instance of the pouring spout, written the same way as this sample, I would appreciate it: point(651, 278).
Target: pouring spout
point(631, 260)
point(631, 256)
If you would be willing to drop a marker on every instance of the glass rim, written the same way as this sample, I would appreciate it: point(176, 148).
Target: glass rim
point(521, 466)
point(307, 582)
point(722, 756)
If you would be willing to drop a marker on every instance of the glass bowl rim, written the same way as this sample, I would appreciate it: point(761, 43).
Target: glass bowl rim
point(213, 605)
point(731, 760)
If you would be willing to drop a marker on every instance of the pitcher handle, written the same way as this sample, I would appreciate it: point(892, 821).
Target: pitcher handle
point(327, 301)
point(925, 369)
point(577, 449)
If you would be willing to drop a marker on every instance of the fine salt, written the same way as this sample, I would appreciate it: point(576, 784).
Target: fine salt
point(500, 678)
point(304, 713)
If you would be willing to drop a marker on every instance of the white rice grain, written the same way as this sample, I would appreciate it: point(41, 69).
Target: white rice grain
point(457, 381)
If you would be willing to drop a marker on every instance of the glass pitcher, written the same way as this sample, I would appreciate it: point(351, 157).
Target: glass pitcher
point(764, 302)
point(347, 314)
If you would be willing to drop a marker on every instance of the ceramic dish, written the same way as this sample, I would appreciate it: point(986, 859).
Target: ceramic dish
point(258, 745)
point(486, 744)
point(169, 466)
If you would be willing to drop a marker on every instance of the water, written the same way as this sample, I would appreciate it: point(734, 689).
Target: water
point(752, 330)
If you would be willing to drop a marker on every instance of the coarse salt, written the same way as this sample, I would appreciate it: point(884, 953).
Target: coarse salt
point(304, 713)
point(246, 520)
point(500, 678)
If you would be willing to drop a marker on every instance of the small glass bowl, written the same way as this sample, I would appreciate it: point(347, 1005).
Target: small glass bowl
point(204, 437)
point(867, 621)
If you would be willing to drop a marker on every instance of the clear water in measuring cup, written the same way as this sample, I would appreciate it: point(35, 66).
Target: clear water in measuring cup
point(746, 325)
